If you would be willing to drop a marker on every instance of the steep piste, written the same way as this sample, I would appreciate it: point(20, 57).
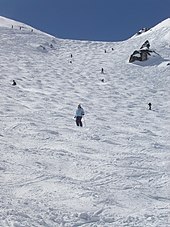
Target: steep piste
point(115, 170)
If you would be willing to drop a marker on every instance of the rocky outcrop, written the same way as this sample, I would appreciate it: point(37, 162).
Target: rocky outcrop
point(141, 54)
point(142, 31)
point(145, 45)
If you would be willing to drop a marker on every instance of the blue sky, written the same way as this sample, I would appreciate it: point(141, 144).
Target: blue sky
point(104, 20)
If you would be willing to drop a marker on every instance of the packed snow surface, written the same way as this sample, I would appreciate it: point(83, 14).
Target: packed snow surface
point(114, 171)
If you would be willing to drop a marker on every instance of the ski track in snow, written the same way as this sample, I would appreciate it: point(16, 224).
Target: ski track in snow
point(115, 171)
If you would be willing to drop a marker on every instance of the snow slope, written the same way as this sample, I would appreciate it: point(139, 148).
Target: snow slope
point(115, 171)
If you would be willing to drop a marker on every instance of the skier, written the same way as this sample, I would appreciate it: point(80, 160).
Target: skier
point(149, 104)
point(14, 83)
point(102, 70)
point(79, 115)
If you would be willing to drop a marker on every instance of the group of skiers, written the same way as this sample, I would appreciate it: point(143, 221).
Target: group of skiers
point(80, 113)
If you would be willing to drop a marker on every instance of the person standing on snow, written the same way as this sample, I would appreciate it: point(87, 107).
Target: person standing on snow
point(14, 83)
point(149, 104)
point(79, 115)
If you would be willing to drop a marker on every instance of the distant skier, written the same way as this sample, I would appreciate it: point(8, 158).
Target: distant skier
point(14, 83)
point(149, 104)
point(71, 55)
point(79, 115)
point(102, 70)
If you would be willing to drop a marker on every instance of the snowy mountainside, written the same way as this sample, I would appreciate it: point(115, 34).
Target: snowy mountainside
point(115, 171)
point(9, 23)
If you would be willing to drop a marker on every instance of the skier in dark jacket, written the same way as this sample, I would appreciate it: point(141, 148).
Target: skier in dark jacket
point(14, 83)
point(79, 115)
point(149, 104)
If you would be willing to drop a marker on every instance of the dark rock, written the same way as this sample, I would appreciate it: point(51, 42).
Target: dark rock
point(142, 31)
point(146, 44)
point(142, 53)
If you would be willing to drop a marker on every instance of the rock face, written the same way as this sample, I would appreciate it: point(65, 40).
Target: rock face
point(145, 45)
point(142, 31)
point(142, 53)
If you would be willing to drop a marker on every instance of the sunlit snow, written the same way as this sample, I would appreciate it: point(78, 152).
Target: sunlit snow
point(114, 171)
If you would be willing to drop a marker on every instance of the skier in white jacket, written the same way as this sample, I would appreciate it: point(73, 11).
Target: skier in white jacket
point(79, 115)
